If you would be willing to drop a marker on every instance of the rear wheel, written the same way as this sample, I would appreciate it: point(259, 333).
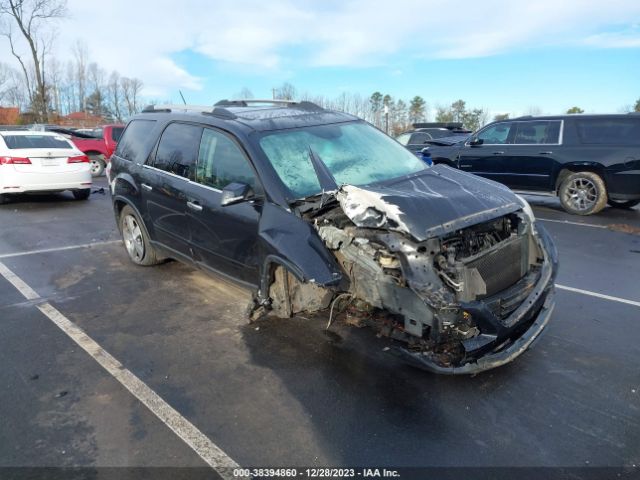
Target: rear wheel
point(135, 239)
point(97, 164)
point(623, 204)
point(82, 194)
point(583, 193)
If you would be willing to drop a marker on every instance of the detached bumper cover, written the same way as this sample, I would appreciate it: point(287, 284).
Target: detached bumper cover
point(540, 300)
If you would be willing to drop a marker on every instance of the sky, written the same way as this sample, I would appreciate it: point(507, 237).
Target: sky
point(505, 56)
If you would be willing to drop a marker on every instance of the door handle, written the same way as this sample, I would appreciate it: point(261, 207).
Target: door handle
point(146, 187)
point(498, 153)
point(545, 153)
point(195, 206)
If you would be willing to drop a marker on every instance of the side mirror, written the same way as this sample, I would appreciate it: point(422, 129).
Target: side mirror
point(475, 141)
point(426, 156)
point(235, 193)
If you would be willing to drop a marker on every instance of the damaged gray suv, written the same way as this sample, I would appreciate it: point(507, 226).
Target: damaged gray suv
point(319, 212)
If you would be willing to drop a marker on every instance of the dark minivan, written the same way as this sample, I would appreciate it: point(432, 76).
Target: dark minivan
point(586, 160)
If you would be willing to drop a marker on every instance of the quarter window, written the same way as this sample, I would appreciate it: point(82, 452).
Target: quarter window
point(134, 139)
point(404, 138)
point(537, 132)
point(609, 131)
point(221, 162)
point(497, 134)
point(178, 149)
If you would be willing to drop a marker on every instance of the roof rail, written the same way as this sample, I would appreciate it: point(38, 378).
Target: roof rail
point(246, 102)
point(215, 110)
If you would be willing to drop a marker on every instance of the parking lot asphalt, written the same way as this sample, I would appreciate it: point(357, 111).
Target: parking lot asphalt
point(283, 392)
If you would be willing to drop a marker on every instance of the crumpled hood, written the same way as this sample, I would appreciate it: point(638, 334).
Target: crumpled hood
point(428, 204)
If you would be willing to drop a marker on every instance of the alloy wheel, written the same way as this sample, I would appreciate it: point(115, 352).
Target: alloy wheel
point(133, 240)
point(581, 194)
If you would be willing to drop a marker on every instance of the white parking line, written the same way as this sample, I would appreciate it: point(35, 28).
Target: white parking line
point(198, 441)
point(598, 295)
point(58, 249)
point(568, 222)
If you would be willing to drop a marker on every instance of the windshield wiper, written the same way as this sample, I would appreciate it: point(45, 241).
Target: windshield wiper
point(325, 177)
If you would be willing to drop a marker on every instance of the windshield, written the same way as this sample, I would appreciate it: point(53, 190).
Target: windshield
point(355, 154)
point(15, 142)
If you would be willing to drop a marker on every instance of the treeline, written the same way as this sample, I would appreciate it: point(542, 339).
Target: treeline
point(393, 115)
point(77, 85)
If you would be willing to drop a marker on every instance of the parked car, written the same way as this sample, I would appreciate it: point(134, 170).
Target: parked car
point(586, 160)
point(418, 138)
point(98, 144)
point(36, 162)
point(317, 210)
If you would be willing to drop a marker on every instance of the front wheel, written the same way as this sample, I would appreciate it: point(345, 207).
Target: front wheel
point(82, 194)
point(135, 239)
point(623, 204)
point(97, 164)
point(583, 193)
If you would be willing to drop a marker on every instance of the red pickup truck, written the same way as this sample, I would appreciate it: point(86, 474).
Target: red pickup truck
point(98, 146)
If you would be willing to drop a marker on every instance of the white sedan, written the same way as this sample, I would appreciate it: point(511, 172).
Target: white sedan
point(37, 162)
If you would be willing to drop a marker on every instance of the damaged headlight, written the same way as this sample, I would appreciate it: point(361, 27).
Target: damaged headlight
point(527, 210)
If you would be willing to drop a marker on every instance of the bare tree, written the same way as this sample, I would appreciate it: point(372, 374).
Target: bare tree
point(131, 88)
point(31, 17)
point(81, 57)
point(244, 94)
point(114, 95)
point(286, 91)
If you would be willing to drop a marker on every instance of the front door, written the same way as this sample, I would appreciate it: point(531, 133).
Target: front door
point(223, 238)
point(491, 158)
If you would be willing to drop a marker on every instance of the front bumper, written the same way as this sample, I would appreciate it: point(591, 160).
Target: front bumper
point(515, 334)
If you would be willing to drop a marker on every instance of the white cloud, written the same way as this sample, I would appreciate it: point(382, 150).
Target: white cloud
point(141, 38)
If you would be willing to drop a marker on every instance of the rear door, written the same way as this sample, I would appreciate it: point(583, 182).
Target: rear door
point(223, 238)
point(491, 158)
point(164, 181)
point(532, 157)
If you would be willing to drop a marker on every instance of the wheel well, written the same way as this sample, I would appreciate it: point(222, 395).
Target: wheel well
point(94, 152)
point(118, 205)
point(569, 169)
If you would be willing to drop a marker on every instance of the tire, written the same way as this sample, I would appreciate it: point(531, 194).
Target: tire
point(623, 204)
point(97, 164)
point(583, 193)
point(136, 239)
point(82, 194)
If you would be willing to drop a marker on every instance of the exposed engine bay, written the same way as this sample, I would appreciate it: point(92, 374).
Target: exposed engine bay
point(447, 299)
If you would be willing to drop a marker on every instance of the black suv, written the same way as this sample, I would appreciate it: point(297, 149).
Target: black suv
point(319, 211)
point(586, 160)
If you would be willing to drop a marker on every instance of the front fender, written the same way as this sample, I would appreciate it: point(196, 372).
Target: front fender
point(293, 243)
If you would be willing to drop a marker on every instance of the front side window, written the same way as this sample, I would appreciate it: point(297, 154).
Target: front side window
point(537, 132)
point(178, 149)
point(497, 134)
point(134, 139)
point(221, 162)
point(605, 131)
point(355, 154)
point(16, 142)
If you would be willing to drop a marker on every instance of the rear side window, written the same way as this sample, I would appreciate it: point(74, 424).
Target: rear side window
point(134, 138)
point(15, 142)
point(622, 131)
point(537, 132)
point(178, 149)
point(221, 162)
point(419, 138)
point(116, 133)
